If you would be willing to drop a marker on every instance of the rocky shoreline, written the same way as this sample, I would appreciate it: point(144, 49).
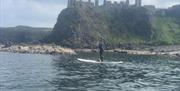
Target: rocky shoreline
point(173, 51)
point(37, 49)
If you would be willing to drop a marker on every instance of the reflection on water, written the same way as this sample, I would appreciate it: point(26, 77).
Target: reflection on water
point(46, 73)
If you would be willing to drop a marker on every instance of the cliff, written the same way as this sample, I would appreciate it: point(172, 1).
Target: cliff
point(166, 27)
point(82, 27)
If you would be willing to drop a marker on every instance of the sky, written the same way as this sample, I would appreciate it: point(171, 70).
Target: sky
point(44, 13)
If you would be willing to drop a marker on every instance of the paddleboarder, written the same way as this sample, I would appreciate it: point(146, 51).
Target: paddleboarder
point(101, 50)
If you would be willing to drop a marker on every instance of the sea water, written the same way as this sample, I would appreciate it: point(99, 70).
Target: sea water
point(36, 72)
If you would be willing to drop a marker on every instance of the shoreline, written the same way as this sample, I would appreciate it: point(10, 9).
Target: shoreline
point(37, 49)
point(172, 51)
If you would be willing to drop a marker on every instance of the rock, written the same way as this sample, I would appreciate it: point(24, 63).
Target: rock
point(1, 46)
point(178, 55)
point(38, 49)
point(83, 50)
point(120, 51)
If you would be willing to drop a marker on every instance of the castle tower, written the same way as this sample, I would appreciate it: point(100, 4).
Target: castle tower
point(71, 3)
point(96, 3)
point(127, 2)
point(105, 2)
point(138, 3)
point(89, 1)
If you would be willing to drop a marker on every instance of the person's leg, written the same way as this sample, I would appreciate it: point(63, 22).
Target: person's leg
point(101, 57)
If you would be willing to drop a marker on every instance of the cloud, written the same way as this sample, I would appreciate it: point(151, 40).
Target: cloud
point(157, 3)
point(29, 12)
point(161, 3)
point(44, 13)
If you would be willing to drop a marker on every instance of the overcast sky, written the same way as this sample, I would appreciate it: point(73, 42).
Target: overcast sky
point(43, 13)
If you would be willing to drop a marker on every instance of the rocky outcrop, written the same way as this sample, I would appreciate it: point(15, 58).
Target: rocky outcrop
point(145, 52)
point(37, 49)
point(82, 27)
point(172, 51)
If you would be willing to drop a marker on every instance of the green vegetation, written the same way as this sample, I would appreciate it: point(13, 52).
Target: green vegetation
point(166, 31)
point(23, 34)
point(83, 27)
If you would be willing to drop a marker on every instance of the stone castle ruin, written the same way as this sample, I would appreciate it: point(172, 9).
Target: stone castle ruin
point(106, 3)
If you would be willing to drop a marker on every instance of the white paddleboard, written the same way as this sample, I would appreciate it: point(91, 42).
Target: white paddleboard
point(93, 61)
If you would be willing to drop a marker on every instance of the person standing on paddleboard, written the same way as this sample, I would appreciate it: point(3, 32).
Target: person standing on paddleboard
point(101, 50)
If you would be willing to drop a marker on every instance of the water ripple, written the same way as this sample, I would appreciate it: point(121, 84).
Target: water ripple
point(65, 73)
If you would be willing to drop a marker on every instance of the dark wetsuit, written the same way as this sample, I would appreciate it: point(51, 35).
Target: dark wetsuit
point(101, 50)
